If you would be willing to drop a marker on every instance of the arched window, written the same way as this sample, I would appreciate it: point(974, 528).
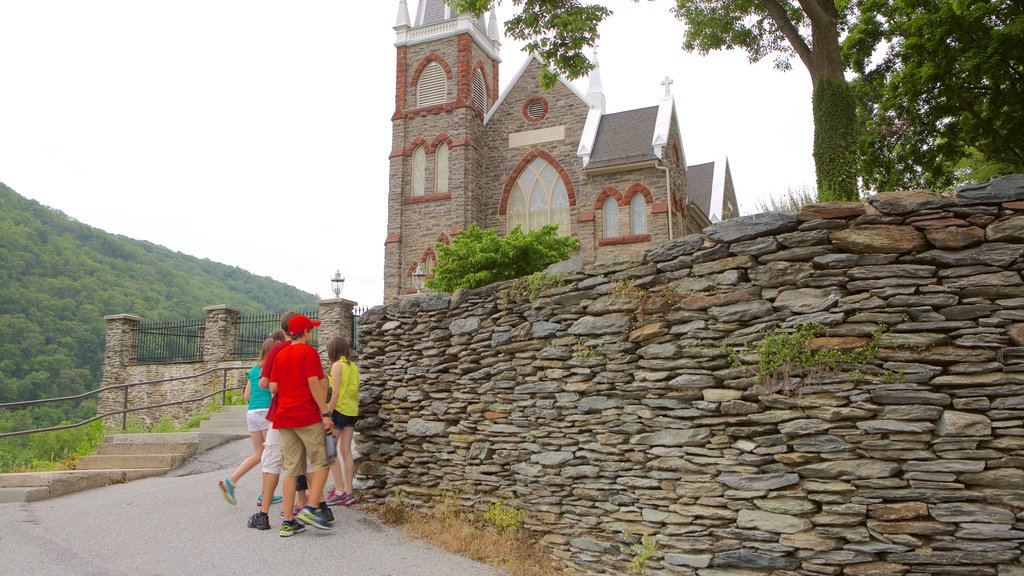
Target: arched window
point(610, 212)
point(539, 198)
point(441, 168)
point(479, 91)
point(638, 215)
point(419, 171)
point(432, 87)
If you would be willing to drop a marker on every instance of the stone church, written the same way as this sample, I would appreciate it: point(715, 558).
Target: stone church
point(463, 153)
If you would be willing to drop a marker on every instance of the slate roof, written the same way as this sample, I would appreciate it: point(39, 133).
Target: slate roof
point(699, 181)
point(433, 12)
point(624, 138)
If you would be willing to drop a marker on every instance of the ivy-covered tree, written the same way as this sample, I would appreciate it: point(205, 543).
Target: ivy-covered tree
point(559, 30)
point(478, 257)
point(946, 100)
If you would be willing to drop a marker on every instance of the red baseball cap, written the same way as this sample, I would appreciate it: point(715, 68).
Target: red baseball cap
point(299, 324)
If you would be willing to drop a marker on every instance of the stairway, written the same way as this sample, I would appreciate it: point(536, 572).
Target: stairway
point(126, 457)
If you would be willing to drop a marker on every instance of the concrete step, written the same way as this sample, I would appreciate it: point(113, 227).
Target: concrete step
point(131, 461)
point(33, 486)
point(226, 417)
point(126, 448)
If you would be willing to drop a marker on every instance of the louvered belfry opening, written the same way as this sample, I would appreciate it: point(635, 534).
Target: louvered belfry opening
point(433, 86)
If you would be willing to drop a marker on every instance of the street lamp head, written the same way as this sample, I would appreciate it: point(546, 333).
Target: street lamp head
point(337, 284)
point(418, 277)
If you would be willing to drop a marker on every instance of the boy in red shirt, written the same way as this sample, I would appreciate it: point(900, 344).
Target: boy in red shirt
point(297, 380)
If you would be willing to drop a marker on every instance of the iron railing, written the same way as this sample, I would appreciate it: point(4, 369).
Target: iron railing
point(253, 329)
point(224, 388)
point(170, 341)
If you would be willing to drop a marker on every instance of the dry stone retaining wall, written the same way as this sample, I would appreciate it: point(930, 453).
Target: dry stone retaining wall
point(628, 401)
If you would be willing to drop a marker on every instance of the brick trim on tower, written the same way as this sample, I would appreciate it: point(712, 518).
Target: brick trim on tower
point(432, 57)
point(400, 92)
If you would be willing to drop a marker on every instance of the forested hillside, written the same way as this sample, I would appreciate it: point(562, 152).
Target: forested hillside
point(59, 278)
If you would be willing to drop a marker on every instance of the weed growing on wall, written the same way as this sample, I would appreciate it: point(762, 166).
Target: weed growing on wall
point(782, 353)
point(528, 288)
point(502, 517)
point(642, 551)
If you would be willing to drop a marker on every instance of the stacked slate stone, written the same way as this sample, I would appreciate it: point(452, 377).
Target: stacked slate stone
point(628, 400)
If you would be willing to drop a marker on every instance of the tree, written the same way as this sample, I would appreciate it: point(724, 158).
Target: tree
point(946, 101)
point(558, 31)
point(478, 257)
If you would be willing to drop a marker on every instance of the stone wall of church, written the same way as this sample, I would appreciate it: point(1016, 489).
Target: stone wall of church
point(565, 108)
point(838, 391)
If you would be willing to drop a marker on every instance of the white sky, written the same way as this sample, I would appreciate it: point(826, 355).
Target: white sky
point(224, 128)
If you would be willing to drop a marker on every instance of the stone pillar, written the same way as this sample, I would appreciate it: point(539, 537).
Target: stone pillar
point(220, 334)
point(119, 349)
point(335, 319)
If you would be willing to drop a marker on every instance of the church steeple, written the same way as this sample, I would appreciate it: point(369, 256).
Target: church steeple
point(446, 79)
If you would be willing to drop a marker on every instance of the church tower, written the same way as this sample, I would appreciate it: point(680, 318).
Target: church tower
point(446, 79)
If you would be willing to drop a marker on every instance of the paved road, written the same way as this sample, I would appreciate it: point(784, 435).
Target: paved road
point(179, 524)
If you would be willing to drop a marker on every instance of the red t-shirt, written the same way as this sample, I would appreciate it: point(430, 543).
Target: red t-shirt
point(291, 370)
point(268, 363)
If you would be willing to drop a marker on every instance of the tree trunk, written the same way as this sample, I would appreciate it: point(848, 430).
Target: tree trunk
point(835, 110)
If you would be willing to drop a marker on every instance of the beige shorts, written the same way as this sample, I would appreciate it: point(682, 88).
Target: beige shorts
point(297, 444)
point(271, 459)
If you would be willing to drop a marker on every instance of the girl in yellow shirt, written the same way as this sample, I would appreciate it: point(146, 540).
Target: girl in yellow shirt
point(344, 408)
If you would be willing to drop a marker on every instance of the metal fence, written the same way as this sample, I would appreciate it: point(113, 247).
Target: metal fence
point(356, 314)
point(171, 341)
point(253, 329)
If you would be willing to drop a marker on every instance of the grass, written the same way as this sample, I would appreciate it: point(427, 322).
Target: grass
point(61, 449)
point(494, 537)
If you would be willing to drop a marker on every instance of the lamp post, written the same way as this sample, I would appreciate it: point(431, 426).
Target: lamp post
point(337, 284)
point(418, 278)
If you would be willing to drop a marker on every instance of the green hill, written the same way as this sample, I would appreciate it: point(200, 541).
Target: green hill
point(59, 278)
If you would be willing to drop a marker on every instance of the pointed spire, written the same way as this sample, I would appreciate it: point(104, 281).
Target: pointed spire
point(493, 28)
point(595, 93)
point(403, 15)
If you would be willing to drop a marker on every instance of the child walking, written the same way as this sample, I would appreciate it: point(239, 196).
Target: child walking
point(256, 421)
point(344, 408)
point(302, 418)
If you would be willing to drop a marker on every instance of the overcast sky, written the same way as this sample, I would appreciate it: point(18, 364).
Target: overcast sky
point(256, 133)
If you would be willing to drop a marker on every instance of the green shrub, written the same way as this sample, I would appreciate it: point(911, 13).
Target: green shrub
point(478, 257)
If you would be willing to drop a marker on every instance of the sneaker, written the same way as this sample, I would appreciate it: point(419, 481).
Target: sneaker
point(259, 521)
point(334, 498)
point(348, 499)
point(312, 517)
point(288, 528)
point(299, 526)
point(228, 489)
point(275, 500)
point(295, 513)
point(325, 511)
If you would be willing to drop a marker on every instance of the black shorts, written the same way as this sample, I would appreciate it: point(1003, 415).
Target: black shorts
point(341, 421)
point(301, 483)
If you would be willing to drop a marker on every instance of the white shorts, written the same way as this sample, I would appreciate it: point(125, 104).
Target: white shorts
point(256, 420)
point(272, 458)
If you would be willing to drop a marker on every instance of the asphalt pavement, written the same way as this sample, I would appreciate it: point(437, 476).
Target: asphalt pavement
point(179, 524)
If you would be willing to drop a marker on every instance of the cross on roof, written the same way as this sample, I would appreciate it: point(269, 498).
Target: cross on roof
point(667, 83)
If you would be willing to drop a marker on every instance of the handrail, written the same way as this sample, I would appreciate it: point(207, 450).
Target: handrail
point(124, 412)
point(115, 386)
